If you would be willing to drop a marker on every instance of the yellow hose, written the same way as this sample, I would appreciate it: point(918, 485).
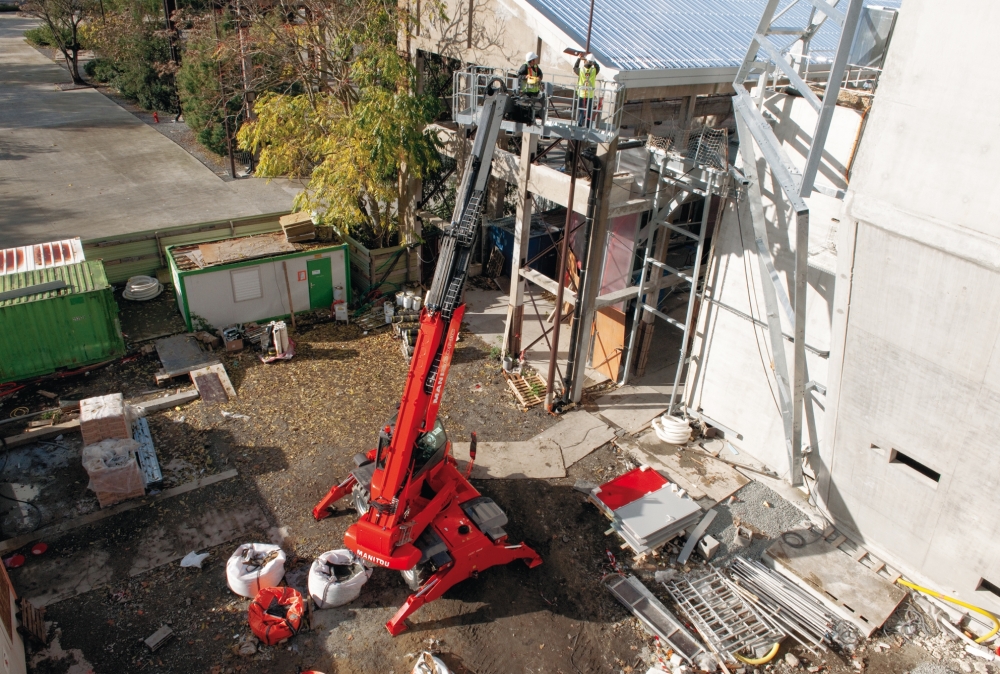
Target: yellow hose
point(996, 623)
point(759, 661)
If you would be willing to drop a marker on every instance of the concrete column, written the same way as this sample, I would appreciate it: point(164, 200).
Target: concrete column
point(522, 232)
point(607, 153)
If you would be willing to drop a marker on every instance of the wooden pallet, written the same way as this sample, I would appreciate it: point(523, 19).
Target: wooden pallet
point(33, 622)
point(529, 390)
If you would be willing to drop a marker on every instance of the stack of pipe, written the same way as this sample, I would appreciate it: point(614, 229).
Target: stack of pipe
point(791, 608)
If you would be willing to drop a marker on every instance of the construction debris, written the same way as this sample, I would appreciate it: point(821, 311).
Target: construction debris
point(158, 638)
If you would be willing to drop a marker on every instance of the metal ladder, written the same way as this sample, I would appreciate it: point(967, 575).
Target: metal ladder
point(649, 282)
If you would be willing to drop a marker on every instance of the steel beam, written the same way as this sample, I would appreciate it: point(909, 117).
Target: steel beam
point(779, 363)
point(848, 28)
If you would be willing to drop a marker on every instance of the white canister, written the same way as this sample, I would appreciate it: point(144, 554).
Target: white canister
point(408, 300)
point(389, 311)
point(399, 299)
point(416, 302)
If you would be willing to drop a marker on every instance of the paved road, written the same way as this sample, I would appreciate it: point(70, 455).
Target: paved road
point(74, 163)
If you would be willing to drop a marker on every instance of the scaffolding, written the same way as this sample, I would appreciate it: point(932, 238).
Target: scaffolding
point(768, 70)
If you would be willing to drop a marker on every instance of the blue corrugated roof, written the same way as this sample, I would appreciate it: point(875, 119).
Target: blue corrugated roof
point(674, 34)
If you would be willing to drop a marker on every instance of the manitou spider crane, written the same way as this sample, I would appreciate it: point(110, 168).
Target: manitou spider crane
point(419, 514)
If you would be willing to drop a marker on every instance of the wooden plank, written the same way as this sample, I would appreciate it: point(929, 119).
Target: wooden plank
point(33, 622)
point(860, 554)
point(41, 434)
point(53, 530)
point(165, 403)
point(838, 540)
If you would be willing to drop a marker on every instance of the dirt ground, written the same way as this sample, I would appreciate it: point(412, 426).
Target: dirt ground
point(306, 418)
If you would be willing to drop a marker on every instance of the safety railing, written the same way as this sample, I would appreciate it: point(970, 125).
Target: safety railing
point(559, 107)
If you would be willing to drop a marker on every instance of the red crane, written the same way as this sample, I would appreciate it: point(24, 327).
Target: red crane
point(419, 514)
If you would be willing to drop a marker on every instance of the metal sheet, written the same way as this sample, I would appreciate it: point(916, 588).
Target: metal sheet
point(656, 511)
point(41, 256)
point(677, 34)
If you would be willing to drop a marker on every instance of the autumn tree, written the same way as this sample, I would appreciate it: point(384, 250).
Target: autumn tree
point(358, 130)
point(63, 18)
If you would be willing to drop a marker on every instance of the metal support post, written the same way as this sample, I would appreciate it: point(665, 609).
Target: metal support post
point(561, 280)
point(522, 233)
point(587, 294)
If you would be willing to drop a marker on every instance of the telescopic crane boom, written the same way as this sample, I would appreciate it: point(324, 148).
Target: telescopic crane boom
point(419, 514)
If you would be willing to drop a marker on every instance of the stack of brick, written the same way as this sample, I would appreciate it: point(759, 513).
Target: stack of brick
point(103, 418)
point(109, 453)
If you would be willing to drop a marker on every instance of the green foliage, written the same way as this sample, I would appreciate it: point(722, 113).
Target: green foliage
point(358, 153)
point(100, 70)
point(134, 57)
point(201, 95)
point(42, 36)
point(6, 7)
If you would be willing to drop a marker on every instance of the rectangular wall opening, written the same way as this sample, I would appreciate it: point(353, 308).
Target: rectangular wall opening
point(928, 472)
point(988, 587)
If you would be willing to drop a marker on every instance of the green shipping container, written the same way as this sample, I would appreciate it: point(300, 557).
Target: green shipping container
point(55, 318)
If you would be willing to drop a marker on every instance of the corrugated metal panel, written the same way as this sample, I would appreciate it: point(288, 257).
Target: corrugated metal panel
point(82, 277)
point(40, 256)
point(676, 34)
point(42, 333)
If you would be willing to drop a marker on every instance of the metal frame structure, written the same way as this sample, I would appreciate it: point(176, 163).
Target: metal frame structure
point(695, 175)
point(765, 66)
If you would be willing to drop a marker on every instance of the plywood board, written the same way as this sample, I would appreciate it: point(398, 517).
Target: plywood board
point(702, 475)
point(853, 590)
point(249, 248)
point(578, 434)
point(210, 388)
point(632, 407)
point(219, 371)
point(537, 458)
point(609, 341)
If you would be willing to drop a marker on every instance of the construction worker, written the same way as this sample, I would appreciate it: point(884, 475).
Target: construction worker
point(529, 77)
point(586, 87)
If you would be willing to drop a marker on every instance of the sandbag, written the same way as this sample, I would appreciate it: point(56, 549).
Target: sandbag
point(336, 577)
point(428, 664)
point(254, 567)
point(276, 614)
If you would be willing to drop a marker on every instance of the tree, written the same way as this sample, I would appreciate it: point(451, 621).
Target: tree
point(133, 55)
point(359, 137)
point(63, 18)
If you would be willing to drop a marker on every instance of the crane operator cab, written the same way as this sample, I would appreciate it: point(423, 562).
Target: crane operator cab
point(428, 452)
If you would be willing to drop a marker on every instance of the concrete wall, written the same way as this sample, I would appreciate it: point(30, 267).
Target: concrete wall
point(732, 381)
point(916, 365)
point(210, 294)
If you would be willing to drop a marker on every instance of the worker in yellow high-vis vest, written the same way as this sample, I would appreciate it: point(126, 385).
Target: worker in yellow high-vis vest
point(530, 75)
point(586, 88)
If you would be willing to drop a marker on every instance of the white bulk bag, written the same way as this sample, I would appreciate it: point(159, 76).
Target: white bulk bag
point(329, 591)
point(253, 567)
point(428, 664)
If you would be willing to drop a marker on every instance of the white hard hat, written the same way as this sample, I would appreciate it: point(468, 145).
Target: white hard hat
point(530, 56)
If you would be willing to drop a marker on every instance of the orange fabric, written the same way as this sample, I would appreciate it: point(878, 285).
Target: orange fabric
point(276, 614)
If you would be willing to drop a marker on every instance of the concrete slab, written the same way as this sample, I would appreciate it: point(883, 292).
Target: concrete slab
point(77, 164)
point(632, 407)
point(539, 458)
point(162, 545)
point(702, 475)
point(577, 434)
point(851, 589)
